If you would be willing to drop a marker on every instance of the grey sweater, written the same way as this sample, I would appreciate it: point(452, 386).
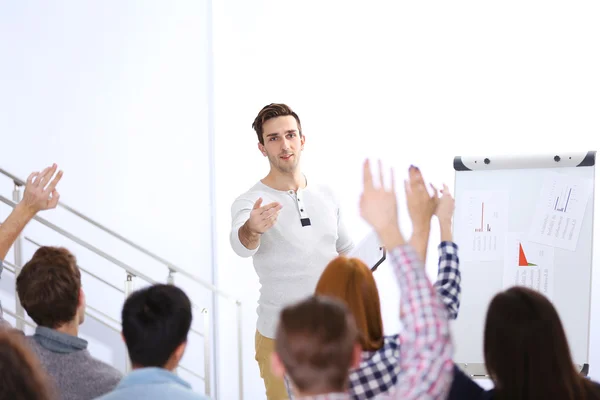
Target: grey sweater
point(76, 374)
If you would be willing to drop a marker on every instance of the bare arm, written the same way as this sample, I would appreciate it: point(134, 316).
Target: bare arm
point(425, 345)
point(13, 226)
point(40, 194)
point(421, 207)
point(444, 212)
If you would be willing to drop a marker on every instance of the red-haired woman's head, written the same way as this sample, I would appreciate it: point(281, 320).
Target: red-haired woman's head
point(351, 281)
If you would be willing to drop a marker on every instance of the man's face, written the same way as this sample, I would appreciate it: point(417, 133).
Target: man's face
point(283, 143)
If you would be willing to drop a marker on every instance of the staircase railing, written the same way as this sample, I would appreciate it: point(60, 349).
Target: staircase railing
point(131, 274)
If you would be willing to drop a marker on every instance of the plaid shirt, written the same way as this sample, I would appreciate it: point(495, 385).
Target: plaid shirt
point(379, 370)
point(423, 365)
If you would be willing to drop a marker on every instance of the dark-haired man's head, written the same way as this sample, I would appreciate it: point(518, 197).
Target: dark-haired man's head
point(280, 136)
point(316, 345)
point(49, 288)
point(156, 321)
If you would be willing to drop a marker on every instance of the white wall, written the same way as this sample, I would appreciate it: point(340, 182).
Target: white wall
point(116, 93)
point(408, 82)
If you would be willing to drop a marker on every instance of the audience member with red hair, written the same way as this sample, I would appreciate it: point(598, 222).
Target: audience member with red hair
point(422, 353)
point(351, 281)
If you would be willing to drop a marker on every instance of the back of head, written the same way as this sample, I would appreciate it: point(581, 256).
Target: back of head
point(526, 349)
point(21, 376)
point(49, 286)
point(351, 281)
point(156, 321)
point(315, 342)
point(270, 111)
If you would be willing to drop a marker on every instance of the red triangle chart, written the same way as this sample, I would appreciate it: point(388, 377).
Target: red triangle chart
point(522, 259)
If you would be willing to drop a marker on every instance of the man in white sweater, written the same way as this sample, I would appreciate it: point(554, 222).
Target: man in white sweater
point(290, 227)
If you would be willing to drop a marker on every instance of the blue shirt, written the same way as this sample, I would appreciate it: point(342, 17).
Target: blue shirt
point(152, 383)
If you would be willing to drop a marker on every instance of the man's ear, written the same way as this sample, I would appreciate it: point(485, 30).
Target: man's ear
point(356, 355)
point(81, 298)
point(178, 353)
point(261, 147)
point(277, 367)
point(302, 140)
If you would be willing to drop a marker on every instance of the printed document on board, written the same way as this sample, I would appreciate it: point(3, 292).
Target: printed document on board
point(485, 216)
point(560, 210)
point(528, 264)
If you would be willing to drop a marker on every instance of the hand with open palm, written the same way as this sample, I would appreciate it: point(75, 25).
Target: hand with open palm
point(379, 207)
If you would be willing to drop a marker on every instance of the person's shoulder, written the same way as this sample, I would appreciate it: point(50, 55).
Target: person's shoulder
point(257, 190)
point(594, 388)
point(101, 369)
point(184, 393)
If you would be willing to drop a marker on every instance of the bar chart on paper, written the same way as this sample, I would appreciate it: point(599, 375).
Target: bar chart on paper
point(487, 218)
point(528, 264)
point(561, 206)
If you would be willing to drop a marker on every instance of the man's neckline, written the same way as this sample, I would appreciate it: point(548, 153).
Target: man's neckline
point(286, 190)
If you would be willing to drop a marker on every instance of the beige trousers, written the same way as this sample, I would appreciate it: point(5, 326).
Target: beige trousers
point(274, 386)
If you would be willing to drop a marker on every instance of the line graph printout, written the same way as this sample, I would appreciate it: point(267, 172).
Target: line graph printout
point(528, 264)
point(560, 210)
point(483, 235)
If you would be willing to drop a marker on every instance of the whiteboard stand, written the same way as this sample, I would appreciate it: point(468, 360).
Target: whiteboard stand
point(520, 181)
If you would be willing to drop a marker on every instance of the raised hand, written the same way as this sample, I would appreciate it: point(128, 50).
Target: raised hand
point(40, 191)
point(379, 207)
point(445, 209)
point(421, 205)
point(444, 212)
point(263, 218)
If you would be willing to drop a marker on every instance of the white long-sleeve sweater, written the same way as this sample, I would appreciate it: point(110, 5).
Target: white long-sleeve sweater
point(292, 254)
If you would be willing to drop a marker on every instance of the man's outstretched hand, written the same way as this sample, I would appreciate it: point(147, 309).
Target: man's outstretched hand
point(263, 218)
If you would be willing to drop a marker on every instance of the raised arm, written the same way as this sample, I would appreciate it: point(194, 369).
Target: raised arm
point(448, 281)
point(425, 345)
point(421, 207)
point(40, 194)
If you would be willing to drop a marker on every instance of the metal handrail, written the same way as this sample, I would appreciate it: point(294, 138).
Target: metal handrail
point(149, 280)
point(82, 243)
point(130, 270)
point(12, 268)
point(169, 265)
point(15, 316)
point(87, 271)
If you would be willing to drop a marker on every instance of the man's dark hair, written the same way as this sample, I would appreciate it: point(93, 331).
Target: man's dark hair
point(270, 111)
point(48, 286)
point(315, 341)
point(156, 320)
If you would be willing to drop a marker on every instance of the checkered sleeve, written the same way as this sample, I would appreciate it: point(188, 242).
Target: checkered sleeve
point(377, 373)
point(448, 280)
point(425, 343)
